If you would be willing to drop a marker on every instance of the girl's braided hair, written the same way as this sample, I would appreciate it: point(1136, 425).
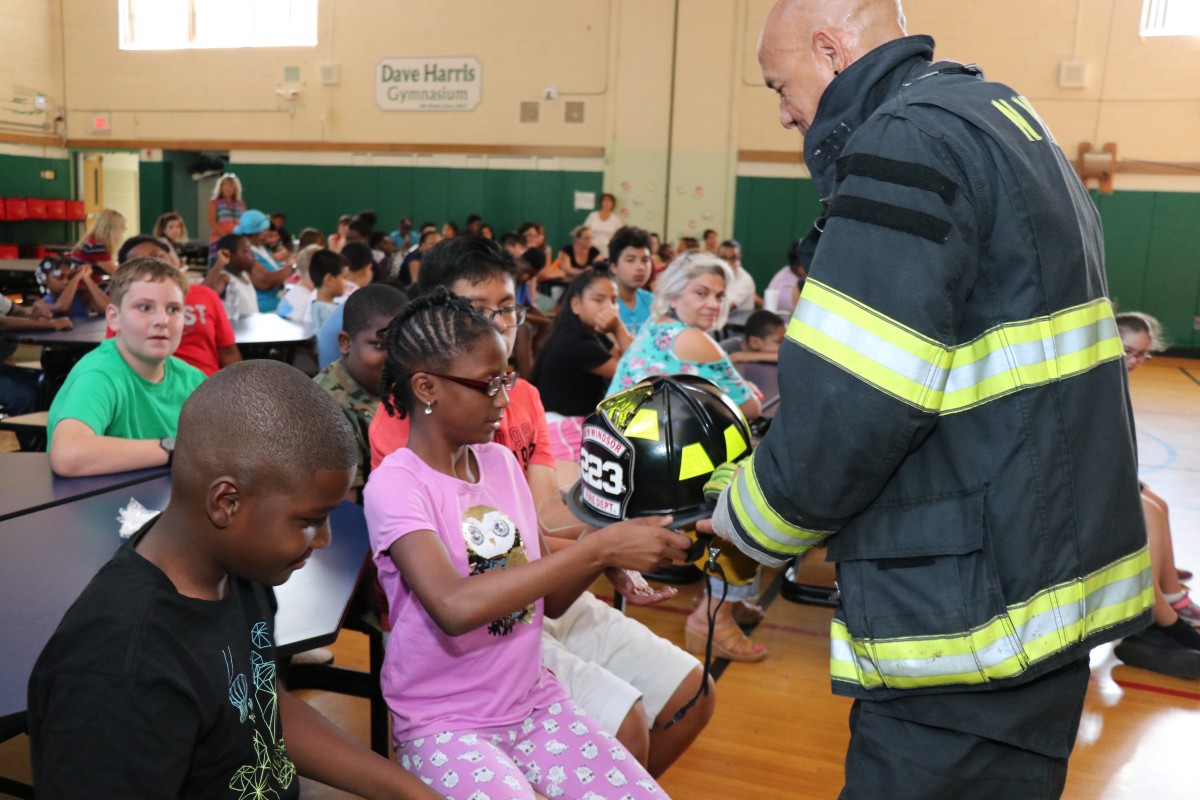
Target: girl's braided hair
point(430, 333)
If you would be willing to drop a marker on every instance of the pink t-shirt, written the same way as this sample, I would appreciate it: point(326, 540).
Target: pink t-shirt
point(492, 675)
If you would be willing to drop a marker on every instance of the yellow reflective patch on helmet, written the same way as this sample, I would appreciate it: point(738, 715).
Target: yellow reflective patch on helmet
point(644, 425)
point(694, 461)
point(735, 445)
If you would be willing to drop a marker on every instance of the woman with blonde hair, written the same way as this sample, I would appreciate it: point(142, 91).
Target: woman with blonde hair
point(225, 210)
point(97, 247)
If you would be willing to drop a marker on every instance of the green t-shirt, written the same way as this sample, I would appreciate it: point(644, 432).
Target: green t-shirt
point(104, 393)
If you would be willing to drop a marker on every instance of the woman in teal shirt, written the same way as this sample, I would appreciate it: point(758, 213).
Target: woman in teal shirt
point(689, 302)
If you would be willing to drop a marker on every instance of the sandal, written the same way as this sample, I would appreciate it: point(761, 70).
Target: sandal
point(728, 642)
point(745, 612)
point(1183, 574)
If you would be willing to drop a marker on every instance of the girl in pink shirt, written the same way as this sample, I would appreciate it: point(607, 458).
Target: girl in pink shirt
point(455, 538)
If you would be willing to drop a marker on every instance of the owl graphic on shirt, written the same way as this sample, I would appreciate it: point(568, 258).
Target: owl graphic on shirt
point(494, 542)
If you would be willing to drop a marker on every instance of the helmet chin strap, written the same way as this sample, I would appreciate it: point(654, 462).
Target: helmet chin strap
point(711, 568)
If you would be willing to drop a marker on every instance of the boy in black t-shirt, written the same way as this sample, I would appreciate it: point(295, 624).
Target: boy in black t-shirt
point(160, 680)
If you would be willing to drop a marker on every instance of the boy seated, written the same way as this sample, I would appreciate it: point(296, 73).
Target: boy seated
point(267, 274)
point(160, 680)
point(207, 342)
point(328, 272)
point(69, 289)
point(119, 407)
point(230, 275)
point(353, 380)
point(632, 266)
point(18, 387)
point(760, 340)
point(362, 265)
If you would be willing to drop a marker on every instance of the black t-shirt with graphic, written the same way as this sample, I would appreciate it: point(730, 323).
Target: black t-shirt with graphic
point(143, 692)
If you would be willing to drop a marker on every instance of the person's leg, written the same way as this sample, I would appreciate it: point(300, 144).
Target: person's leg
point(669, 741)
point(728, 640)
point(664, 676)
point(1009, 742)
point(565, 753)
point(458, 764)
point(612, 702)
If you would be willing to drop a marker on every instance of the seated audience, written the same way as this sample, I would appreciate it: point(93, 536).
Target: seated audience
point(579, 358)
point(69, 289)
point(761, 338)
point(789, 280)
point(310, 236)
point(632, 266)
point(279, 225)
point(710, 240)
point(362, 265)
point(575, 257)
point(297, 300)
point(265, 273)
point(207, 342)
point(629, 679)
point(449, 229)
point(329, 273)
point(742, 296)
point(97, 248)
point(1171, 645)
point(230, 276)
point(18, 387)
point(411, 265)
point(119, 407)
point(337, 239)
point(160, 680)
point(404, 237)
point(170, 226)
point(353, 379)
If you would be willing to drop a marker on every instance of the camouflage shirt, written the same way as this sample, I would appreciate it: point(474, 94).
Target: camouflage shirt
point(359, 407)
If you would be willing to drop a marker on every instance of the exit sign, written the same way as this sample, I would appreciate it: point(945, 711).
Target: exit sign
point(101, 123)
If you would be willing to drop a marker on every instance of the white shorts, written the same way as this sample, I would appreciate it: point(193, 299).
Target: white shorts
point(608, 661)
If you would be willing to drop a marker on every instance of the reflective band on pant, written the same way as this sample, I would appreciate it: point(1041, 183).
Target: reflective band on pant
point(765, 526)
point(944, 380)
point(1050, 622)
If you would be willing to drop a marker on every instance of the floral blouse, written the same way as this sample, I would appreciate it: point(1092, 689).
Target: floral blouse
point(653, 353)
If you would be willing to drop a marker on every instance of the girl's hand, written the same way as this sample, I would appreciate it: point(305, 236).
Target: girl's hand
point(606, 320)
point(642, 545)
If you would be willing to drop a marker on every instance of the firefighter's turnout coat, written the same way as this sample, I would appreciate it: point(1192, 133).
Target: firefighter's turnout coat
point(955, 423)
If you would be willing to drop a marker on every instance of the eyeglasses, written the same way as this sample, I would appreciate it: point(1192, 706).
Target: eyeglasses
point(1138, 355)
point(489, 387)
point(513, 316)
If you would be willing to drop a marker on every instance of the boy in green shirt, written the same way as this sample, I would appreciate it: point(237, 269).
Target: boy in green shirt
point(119, 407)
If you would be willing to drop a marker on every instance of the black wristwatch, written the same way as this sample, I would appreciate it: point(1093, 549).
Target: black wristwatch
point(168, 443)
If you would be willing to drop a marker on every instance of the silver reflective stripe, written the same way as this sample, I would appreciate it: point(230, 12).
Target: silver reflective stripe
point(873, 347)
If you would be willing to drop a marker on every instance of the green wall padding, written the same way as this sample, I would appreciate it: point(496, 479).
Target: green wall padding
point(1151, 240)
point(317, 195)
point(21, 176)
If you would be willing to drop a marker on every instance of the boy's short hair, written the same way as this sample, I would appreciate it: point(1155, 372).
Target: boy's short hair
point(370, 303)
point(310, 236)
point(286, 427)
point(358, 255)
point(134, 241)
point(534, 257)
point(470, 258)
point(762, 323)
point(509, 239)
point(143, 269)
point(325, 263)
point(626, 237)
point(229, 241)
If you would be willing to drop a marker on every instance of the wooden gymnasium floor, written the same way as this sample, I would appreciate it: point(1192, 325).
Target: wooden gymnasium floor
point(779, 733)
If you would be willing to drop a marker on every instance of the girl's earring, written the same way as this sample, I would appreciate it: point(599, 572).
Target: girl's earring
point(429, 407)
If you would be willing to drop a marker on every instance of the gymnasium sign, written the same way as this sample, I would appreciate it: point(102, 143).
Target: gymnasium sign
point(428, 84)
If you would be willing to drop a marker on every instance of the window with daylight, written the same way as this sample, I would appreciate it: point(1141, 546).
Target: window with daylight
point(200, 24)
point(1170, 18)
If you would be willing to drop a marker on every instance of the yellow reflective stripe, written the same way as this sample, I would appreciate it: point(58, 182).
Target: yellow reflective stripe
point(766, 526)
point(1048, 623)
point(938, 379)
point(1031, 353)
